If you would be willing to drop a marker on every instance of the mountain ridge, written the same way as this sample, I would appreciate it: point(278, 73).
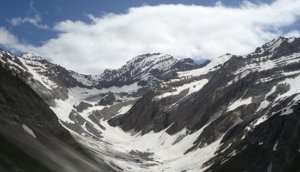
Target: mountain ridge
point(31, 134)
point(231, 109)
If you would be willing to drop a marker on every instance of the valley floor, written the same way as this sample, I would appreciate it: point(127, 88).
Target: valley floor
point(160, 151)
point(132, 151)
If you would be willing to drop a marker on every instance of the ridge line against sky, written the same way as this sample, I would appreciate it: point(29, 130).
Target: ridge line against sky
point(184, 30)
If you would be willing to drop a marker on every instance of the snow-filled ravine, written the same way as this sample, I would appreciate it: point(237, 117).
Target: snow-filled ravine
point(160, 151)
point(131, 151)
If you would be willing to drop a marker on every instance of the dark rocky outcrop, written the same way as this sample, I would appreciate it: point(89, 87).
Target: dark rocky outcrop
point(82, 106)
point(107, 99)
point(31, 137)
point(271, 146)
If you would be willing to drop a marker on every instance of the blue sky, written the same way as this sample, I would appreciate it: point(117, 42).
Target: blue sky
point(54, 11)
point(73, 32)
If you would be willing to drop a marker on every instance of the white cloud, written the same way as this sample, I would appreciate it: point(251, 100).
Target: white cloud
point(10, 41)
point(7, 38)
point(35, 21)
point(293, 33)
point(181, 30)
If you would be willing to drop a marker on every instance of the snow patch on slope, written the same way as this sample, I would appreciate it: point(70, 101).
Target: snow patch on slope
point(28, 130)
point(83, 79)
point(63, 108)
point(124, 109)
point(293, 84)
point(192, 87)
point(45, 81)
point(213, 65)
point(84, 93)
point(238, 103)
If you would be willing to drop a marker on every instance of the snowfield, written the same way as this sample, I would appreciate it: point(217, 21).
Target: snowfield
point(132, 151)
point(63, 108)
point(191, 87)
point(238, 103)
point(150, 152)
point(213, 65)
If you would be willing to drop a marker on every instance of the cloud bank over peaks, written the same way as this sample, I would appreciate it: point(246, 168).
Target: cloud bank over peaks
point(181, 30)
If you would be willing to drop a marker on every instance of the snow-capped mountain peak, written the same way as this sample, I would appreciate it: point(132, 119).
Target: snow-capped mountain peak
point(31, 56)
point(146, 68)
point(278, 47)
point(141, 66)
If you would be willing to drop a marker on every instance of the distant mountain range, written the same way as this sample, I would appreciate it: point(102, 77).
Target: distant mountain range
point(156, 113)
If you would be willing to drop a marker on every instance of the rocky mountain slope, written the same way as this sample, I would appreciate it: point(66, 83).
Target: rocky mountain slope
point(31, 138)
point(147, 69)
point(248, 106)
point(159, 113)
point(80, 101)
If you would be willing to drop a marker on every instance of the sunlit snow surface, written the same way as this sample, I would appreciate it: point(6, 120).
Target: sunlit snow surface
point(132, 151)
point(124, 109)
point(150, 152)
point(33, 66)
point(238, 103)
point(213, 65)
point(191, 87)
point(63, 108)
